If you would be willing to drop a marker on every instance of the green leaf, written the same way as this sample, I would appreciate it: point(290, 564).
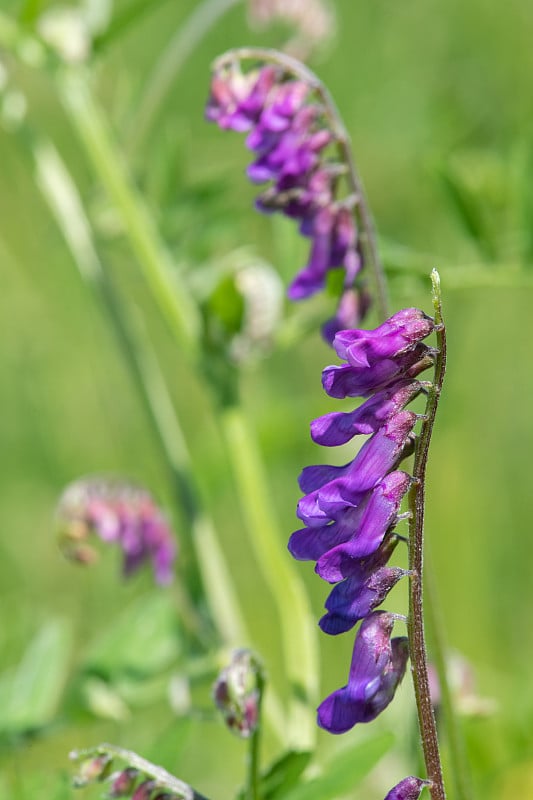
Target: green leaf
point(283, 774)
point(33, 690)
point(344, 771)
point(143, 641)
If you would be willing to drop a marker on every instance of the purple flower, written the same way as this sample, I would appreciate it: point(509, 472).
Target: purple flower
point(378, 665)
point(350, 381)
point(290, 137)
point(408, 789)
point(339, 427)
point(360, 527)
point(117, 511)
point(376, 457)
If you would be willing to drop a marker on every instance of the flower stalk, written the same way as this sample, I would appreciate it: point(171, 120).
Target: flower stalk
point(417, 645)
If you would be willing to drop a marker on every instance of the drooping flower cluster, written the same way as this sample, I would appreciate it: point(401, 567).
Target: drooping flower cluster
point(350, 511)
point(116, 511)
point(142, 782)
point(289, 134)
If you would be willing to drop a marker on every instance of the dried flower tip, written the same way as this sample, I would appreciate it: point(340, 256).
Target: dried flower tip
point(116, 511)
point(408, 789)
point(236, 693)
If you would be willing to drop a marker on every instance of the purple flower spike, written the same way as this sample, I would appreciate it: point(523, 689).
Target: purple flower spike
point(290, 136)
point(339, 427)
point(354, 599)
point(378, 665)
point(408, 789)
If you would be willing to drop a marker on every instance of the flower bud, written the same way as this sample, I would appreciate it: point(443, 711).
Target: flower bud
point(122, 783)
point(236, 693)
point(408, 789)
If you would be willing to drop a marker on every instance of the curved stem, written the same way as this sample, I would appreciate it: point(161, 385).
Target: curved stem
point(417, 645)
point(333, 116)
point(161, 778)
point(183, 43)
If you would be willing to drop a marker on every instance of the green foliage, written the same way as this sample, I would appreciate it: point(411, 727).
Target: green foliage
point(30, 693)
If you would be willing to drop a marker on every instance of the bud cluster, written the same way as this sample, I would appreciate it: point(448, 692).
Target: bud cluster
point(127, 782)
point(237, 693)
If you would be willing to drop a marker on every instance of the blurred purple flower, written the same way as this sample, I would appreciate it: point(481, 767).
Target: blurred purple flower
point(116, 511)
point(289, 135)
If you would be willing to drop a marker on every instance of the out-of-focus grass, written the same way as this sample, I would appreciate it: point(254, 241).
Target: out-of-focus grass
point(416, 82)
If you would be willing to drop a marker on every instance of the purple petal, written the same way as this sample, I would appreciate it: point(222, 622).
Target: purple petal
point(352, 600)
point(408, 789)
point(349, 381)
point(377, 667)
point(393, 337)
point(339, 427)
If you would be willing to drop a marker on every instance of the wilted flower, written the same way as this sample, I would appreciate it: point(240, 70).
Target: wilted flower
point(290, 134)
point(237, 693)
point(116, 511)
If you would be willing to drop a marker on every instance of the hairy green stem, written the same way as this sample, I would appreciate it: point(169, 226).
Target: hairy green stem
point(295, 619)
point(361, 207)
point(417, 645)
point(182, 45)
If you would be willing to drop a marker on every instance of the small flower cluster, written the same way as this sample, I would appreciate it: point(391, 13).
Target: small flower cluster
point(116, 511)
point(350, 512)
point(126, 782)
point(289, 133)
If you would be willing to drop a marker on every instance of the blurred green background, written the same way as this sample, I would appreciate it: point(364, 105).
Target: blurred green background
point(437, 98)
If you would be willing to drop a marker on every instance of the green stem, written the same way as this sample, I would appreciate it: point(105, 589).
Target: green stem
point(362, 208)
point(153, 257)
point(295, 619)
point(253, 772)
point(159, 82)
point(457, 757)
point(162, 779)
point(417, 645)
